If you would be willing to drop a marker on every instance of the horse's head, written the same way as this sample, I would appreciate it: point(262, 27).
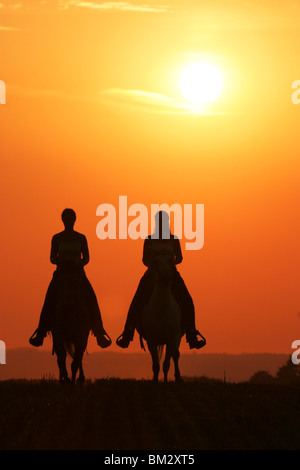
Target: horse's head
point(162, 267)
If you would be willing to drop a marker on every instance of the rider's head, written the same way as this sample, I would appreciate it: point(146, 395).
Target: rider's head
point(162, 224)
point(68, 217)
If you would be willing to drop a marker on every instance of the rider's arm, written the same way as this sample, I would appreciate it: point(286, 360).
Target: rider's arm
point(177, 251)
point(54, 251)
point(85, 251)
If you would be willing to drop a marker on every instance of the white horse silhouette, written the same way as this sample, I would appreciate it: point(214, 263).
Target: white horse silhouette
point(160, 321)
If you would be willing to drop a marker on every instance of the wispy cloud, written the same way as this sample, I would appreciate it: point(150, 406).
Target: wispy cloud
point(16, 6)
point(9, 28)
point(145, 101)
point(121, 6)
point(11, 6)
point(151, 102)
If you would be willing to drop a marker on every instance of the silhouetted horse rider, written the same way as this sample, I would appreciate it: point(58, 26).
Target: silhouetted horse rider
point(162, 240)
point(67, 247)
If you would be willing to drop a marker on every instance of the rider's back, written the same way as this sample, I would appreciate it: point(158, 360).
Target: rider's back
point(68, 245)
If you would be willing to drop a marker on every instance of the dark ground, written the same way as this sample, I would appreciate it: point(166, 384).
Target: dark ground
point(115, 414)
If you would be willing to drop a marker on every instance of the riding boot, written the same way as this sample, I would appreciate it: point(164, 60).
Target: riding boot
point(103, 339)
point(37, 338)
point(126, 337)
point(192, 340)
point(47, 314)
point(140, 298)
point(186, 304)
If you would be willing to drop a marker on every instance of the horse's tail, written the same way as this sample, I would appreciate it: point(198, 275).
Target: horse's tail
point(70, 348)
point(160, 348)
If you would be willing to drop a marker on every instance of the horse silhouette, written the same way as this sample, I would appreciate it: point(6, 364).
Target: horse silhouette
point(160, 321)
point(72, 323)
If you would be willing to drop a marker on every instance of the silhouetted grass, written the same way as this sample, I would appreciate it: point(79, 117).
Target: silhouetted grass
point(117, 414)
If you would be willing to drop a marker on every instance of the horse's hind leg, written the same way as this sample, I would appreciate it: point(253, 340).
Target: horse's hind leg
point(175, 356)
point(81, 378)
point(77, 365)
point(166, 364)
point(155, 361)
point(61, 361)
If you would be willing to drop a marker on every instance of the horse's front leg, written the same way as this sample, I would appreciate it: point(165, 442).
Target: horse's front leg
point(81, 378)
point(175, 356)
point(166, 364)
point(155, 361)
point(61, 362)
point(77, 365)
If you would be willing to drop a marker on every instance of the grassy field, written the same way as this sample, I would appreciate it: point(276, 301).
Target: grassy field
point(116, 414)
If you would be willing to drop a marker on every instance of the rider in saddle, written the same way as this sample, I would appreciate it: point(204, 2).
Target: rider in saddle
point(162, 240)
point(69, 246)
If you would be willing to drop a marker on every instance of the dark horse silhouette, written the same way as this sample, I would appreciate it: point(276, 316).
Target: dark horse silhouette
point(160, 321)
point(72, 323)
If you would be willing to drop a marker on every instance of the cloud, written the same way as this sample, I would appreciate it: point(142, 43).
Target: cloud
point(151, 102)
point(121, 6)
point(12, 6)
point(9, 28)
point(16, 6)
point(145, 101)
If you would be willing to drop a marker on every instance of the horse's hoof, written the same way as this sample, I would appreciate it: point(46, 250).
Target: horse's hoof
point(64, 380)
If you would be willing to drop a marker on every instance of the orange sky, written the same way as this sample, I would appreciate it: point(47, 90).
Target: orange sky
point(94, 111)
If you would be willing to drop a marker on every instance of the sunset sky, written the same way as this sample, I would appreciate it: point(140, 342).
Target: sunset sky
point(94, 111)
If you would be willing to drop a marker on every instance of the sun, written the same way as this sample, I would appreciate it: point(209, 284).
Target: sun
point(201, 82)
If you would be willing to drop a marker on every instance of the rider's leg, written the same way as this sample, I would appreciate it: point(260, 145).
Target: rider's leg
point(103, 339)
point(46, 317)
point(186, 304)
point(141, 296)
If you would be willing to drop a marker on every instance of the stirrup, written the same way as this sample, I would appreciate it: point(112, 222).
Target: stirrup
point(202, 342)
point(36, 339)
point(103, 339)
point(124, 339)
point(195, 343)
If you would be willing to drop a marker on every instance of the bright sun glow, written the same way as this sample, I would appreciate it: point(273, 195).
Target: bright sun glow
point(201, 83)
